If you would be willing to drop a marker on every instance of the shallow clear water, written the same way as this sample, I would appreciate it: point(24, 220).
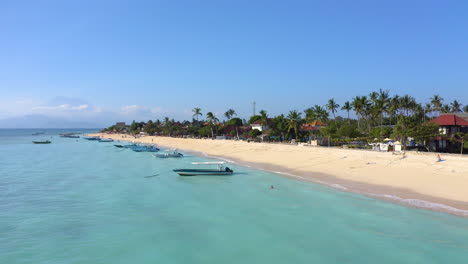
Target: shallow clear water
point(79, 201)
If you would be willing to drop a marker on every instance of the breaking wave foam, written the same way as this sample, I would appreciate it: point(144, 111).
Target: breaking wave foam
point(423, 204)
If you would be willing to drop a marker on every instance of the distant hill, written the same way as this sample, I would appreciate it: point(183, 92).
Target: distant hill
point(42, 121)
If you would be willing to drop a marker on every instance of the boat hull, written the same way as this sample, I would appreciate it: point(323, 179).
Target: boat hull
point(41, 142)
point(165, 156)
point(137, 148)
point(189, 172)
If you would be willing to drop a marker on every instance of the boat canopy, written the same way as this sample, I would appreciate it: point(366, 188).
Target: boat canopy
point(210, 162)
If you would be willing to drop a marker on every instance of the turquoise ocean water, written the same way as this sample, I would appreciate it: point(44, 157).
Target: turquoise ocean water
point(79, 201)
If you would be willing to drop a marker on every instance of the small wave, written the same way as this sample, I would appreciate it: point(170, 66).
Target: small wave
point(423, 204)
point(227, 160)
point(289, 174)
point(337, 186)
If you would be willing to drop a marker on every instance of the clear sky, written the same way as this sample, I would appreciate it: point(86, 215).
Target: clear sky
point(105, 61)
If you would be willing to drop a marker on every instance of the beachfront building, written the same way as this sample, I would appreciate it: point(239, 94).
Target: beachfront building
point(259, 126)
point(313, 128)
point(449, 124)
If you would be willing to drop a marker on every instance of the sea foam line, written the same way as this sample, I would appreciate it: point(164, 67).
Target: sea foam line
point(422, 204)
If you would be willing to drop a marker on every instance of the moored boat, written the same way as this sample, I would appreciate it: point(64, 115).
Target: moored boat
point(91, 138)
point(220, 170)
point(144, 148)
point(42, 142)
point(106, 140)
point(171, 154)
point(69, 135)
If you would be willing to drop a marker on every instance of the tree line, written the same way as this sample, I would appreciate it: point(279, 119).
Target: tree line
point(376, 116)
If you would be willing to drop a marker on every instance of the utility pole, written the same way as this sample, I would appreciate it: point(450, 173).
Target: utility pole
point(253, 107)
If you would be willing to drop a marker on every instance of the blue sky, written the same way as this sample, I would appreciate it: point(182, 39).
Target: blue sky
point(104, 61)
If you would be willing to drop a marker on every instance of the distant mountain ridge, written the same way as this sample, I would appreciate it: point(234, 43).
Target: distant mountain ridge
point(42, 121)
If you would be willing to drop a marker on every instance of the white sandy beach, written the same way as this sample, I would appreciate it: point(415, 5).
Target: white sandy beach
point(417, 176)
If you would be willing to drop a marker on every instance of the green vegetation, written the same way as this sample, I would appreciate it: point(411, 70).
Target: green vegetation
point(369, 118)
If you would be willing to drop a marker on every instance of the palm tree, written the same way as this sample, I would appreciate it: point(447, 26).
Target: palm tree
point(322, 114)
point(196, 112)
point(373, 97)
point(369, 114)
point(294, 118)
point(311, 115)
point(445, 109)
point(264, 117)
point(360, 104)
point(436, 102)
point(332, 106)
point(230, 113)
point(456, 106)
point(167, 126)
point(427, 109)
point(347, 107)
point(382, 104)
point(465, 109)
point(408, 103)
point(316, 113)
point(211, 118)
point(394, 107)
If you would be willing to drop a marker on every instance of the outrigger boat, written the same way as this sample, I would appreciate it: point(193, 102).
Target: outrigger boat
point(172, 154)
point(125, 146)
point(91, 138)
point(106, 140)
point(220, 170)
point(144, 148)
point(42, 142)
point(69, 135)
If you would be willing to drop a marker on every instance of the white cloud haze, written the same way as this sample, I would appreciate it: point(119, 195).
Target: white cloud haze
point(78, 110)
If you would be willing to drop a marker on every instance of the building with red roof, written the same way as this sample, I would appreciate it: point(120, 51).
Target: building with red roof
point(313, 126)
point(449, 124)
point(450, 120)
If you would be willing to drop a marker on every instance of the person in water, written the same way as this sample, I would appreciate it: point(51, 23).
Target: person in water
point(272, 187)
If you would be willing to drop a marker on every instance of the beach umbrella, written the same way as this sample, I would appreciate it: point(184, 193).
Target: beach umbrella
point(387, 139)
